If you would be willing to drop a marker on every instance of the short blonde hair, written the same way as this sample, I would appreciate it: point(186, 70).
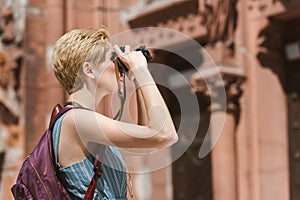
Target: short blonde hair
point(72, 50)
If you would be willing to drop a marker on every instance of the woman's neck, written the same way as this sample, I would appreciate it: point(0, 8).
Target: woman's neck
point(85, 98)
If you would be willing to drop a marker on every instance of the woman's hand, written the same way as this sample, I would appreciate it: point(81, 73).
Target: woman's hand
point(132, 59)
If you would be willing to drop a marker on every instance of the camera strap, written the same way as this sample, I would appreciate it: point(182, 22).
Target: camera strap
point(121, 92)
point(122, 95)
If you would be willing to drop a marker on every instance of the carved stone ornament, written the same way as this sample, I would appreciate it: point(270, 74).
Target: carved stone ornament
point(12, 21)
point(259, 8)
point(12, 18)
point(220, 18)
point(8, 35)
point(207, 83)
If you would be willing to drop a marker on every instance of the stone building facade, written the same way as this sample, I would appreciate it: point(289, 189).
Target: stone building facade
point(254, 46)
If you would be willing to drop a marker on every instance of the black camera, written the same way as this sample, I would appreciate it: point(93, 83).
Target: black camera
point(121, 66)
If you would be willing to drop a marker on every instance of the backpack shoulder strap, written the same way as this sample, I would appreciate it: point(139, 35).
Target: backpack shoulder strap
point(58, 111)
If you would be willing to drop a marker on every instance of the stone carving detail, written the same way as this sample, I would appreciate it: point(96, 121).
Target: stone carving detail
point(215, 19)
point(190, 25)
point(264, 5)
point(232, 81)
point(220, 18)
point(7, 19)
point(11, 127)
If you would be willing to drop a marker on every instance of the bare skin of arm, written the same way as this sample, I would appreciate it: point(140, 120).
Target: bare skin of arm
point(158, 132)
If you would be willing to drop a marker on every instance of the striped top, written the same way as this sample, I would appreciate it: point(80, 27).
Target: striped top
point(76, 177)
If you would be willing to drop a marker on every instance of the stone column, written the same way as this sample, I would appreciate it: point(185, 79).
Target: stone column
point(55, 29)
point(34, 74)
point(224, 118)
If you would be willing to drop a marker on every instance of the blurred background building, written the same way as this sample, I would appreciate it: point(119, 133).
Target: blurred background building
point(254, 43)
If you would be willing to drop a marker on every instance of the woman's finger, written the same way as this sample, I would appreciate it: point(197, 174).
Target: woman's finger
point(118, 51)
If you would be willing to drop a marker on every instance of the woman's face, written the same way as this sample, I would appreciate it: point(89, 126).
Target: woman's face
point(106, 74)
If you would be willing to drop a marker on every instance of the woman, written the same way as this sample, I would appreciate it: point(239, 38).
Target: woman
point(82, 64)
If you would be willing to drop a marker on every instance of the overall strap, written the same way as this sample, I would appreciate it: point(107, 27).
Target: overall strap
point(57, 112)
point(89, 195)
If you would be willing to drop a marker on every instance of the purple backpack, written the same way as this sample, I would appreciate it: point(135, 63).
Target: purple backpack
point(37, 178)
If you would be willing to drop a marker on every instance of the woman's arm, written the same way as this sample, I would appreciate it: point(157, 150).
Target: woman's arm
point(155, 129)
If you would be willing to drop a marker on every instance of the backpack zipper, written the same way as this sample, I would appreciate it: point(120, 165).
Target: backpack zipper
point(38, 175)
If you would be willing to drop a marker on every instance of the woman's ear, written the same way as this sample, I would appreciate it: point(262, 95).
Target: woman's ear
point(88, 71)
